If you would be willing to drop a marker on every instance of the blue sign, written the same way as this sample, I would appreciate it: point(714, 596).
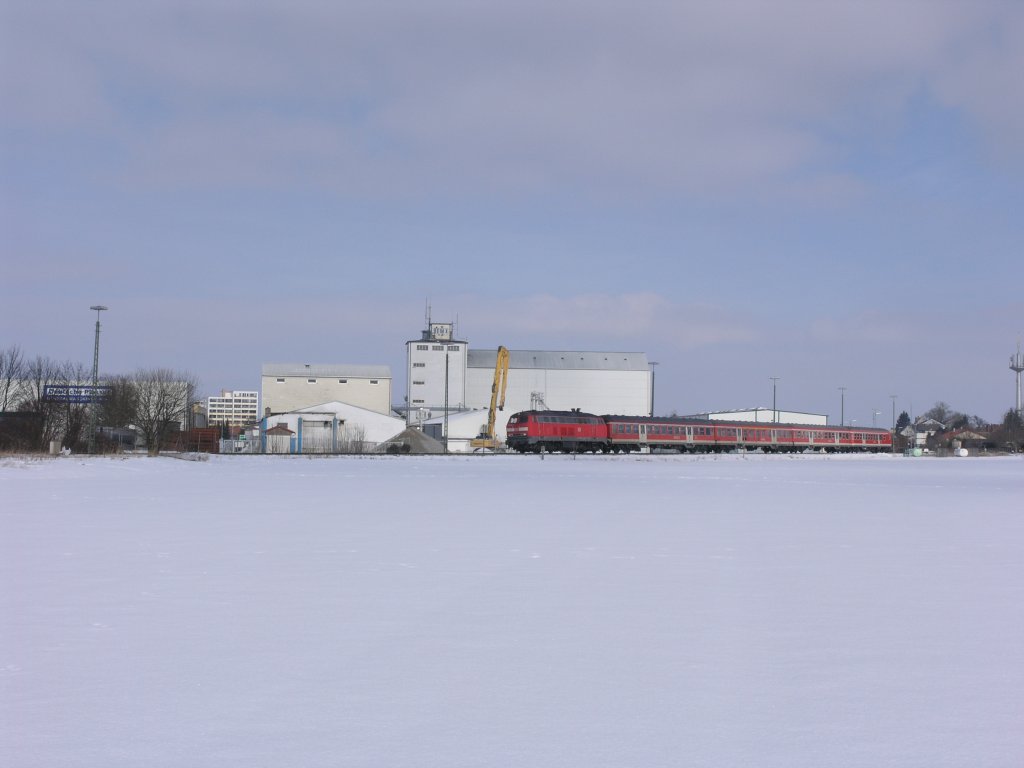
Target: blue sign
point(77, 394)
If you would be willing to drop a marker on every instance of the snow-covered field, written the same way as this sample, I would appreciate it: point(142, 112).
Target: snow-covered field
point(512, 611)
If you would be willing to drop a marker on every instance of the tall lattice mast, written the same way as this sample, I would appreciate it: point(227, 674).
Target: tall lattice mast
point(1017, 365)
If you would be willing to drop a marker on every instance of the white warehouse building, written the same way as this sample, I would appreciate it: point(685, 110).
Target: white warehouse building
point(765, 416)
point(595, 382)
point(287, 387)
point(327, 428)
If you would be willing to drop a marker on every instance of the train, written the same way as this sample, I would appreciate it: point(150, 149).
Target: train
point(578, 432)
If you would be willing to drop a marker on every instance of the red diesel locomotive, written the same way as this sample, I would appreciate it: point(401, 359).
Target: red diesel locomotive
point(568, 431)
point(576, 432)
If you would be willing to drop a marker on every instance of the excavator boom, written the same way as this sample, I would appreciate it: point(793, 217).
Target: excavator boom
point(498, 388)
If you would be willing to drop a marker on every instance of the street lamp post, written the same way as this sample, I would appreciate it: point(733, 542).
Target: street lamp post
point(874, 417)
point(652, 364)
point(95, 377)
point(893, 398)
point(775, 413)
point(842, 406)
point(446, 402)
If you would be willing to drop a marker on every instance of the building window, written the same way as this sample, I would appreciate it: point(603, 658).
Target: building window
point(421, 347)
point(280, 381)
point(418, 382)
point(343, 381)
point(438, 348)
point(453, 349)
point(419, 365)
point(311, 381)
point(417, 401)
point(373, 381)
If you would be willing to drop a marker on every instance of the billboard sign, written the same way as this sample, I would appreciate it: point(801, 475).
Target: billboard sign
point(78, 394)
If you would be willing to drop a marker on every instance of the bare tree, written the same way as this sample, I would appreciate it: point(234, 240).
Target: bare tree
point(162, 400)
point(1010, 434)
point(119, 408)
point(70, 419)
point(12, 372)
point(353, 439)
point(941, 412)
point(39, 373)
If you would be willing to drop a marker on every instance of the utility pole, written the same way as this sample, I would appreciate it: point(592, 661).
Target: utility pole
point(95, 378)
point(842, 406)
point(652, 364)
point(446, 402)
point(893, 397)
point(775, 413)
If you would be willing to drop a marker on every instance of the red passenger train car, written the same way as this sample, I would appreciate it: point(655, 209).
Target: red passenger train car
point(573, 431)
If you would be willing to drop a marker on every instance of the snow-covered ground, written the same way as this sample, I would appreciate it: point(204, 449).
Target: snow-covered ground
point(512, 611)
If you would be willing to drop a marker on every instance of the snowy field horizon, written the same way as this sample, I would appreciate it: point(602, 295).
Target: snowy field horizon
point(738, 610)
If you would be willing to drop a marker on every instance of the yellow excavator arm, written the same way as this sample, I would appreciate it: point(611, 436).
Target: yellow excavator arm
point(500, 383)
point(498, 388)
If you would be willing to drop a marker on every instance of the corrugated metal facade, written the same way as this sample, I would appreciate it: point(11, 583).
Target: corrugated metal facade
point(566, 360)
point(594, 382)
point(291, 386)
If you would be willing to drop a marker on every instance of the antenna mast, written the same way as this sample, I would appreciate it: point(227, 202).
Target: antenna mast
point(1017, 365)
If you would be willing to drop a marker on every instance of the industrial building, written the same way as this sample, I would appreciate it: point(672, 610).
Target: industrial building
point(596, 382)
point(765, 416)
point(332, 427)
point(236, 408)
point(445, 376)
point(287, 387)
point(435, 374)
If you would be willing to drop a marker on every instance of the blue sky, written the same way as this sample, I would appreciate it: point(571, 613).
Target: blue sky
point(826, 192)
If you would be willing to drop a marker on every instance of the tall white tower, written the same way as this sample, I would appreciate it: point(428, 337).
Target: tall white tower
point(1017, 365)
point(436, 373)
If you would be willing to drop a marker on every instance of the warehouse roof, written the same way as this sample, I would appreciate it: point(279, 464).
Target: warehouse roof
point(327, 370)
point(568, 360)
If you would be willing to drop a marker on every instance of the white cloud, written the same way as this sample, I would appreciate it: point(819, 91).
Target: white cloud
point(410, 99)
point(634, 320)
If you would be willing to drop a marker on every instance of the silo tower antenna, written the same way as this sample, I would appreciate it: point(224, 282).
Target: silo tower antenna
point(1017, 365)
